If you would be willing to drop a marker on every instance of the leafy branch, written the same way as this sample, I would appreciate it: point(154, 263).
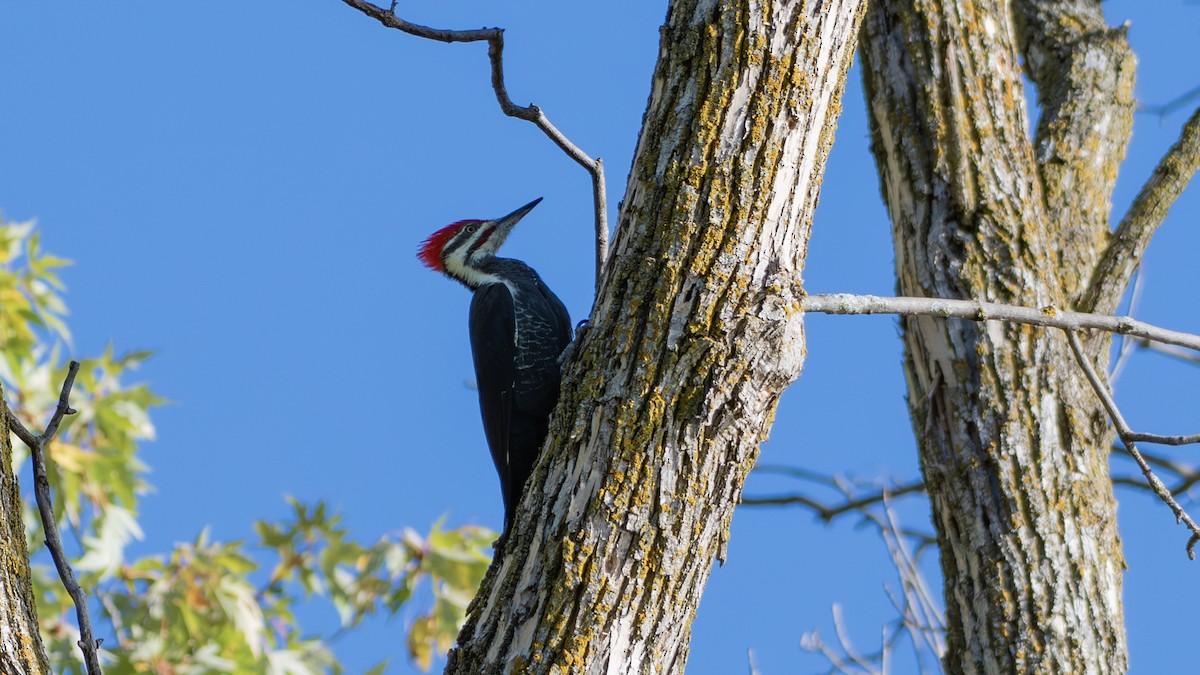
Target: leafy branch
point(37, 445)
point(205, 605)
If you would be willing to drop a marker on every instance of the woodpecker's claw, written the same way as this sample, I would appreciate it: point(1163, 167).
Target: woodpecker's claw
point(568, 352)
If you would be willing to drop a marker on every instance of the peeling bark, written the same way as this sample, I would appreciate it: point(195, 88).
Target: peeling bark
point(21, 650)
point(696, 332)
point(1014, 449)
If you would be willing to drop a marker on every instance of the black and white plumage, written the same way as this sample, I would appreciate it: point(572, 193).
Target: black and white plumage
point(518, 330)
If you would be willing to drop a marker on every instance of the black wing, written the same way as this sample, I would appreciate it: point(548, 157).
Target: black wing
point(545, 330)
point(562, 318)
point(493, 332)
point(516, 397)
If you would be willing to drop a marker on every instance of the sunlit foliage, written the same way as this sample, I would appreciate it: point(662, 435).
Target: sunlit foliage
point(207, 606)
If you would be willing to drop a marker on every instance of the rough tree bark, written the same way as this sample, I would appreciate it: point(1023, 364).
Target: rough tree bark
point(21, 650)
point(1014, 448)
point(695, 334)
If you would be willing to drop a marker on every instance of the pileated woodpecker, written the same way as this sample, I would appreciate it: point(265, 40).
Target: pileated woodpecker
point(518, 330)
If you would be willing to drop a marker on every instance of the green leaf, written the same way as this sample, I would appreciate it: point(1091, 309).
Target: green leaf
point(106, 552)
point(421, 642)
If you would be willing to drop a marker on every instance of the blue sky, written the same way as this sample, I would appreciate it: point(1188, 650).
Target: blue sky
point(243, 186)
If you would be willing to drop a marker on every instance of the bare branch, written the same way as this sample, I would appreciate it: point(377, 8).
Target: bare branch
point(1147, 212)
point(15, 426)
point(847, 303)
point(530, 113)
point(600, 207)
point(1186, 475)
point(1126, 435)
point(1173, 352)
point(919, 615)
point(1143, 437)
point(793, 499)
point(1171, 106)
point(828, 513)
point(63, 407)
point(41, 484)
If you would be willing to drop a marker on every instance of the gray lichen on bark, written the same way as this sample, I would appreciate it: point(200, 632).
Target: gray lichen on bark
point(1013, 446)
point(21, 650)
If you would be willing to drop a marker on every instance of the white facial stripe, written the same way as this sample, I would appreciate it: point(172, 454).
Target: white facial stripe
point(473, 277)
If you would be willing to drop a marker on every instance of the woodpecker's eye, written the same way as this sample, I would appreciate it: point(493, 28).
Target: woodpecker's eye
point(470, 229)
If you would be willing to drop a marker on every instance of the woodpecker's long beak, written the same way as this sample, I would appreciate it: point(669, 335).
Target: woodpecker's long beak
point(505, 225)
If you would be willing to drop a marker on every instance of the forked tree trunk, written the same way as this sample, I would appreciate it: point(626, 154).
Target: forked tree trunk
point(696, 333)
point(21, 650)
point(1014, 447)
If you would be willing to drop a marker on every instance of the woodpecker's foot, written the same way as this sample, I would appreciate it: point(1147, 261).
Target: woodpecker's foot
point(498, 545)
point(568, 352)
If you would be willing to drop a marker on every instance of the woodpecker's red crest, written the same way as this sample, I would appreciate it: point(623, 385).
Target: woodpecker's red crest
point(431, 249)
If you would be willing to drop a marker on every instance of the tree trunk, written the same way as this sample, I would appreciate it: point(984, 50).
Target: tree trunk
point(21, 650)
point(695, 334)
point(1014, 447)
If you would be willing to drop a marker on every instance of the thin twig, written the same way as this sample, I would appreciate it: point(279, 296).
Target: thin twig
point(41, 484)
point(114, 614)
point(839, 627)
point(1152, 459)
point(848, 303)
point(752, 662)
point(530, 113)
point(797, 473)
point(1126, 436)
point(1127, 344)
point(1149, 209)
point(884, 649)
point(919, 615)
point(812, 642)
point(934, 617)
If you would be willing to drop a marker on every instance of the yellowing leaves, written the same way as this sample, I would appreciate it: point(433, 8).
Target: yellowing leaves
point(206, 605)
